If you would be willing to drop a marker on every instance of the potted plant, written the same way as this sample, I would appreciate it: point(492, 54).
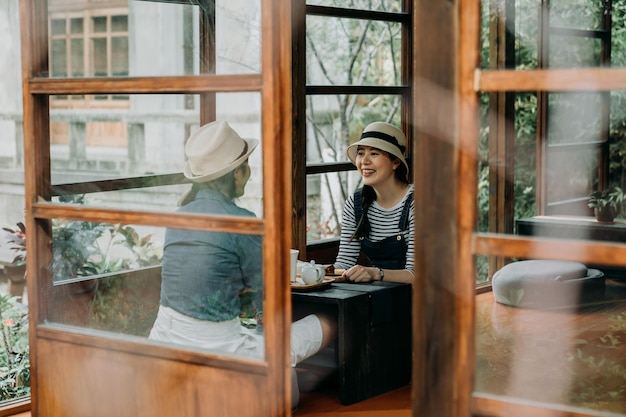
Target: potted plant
point(16, 272)
point(606, 203)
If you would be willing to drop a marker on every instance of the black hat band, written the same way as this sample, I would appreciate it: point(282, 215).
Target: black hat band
point(385, 137)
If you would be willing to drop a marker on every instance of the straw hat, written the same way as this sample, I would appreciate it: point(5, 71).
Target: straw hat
point(383, 136)
point(214, 150)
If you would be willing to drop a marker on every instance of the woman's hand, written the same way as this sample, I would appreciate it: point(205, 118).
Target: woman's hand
point(360, 273)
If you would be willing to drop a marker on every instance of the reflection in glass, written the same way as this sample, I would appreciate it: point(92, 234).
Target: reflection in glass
point(339, 120)
point(108, 137)
point(339, 53)
point(211, 288)
point(583, 14)
point(574, 52)
point(570, 174)
point(326, 195)
point(141, 38)
point(568, 356)
point(574, 117)
point(114, 278)
point(81, 249)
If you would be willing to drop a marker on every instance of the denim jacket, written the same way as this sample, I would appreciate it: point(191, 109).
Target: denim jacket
point(203, 272)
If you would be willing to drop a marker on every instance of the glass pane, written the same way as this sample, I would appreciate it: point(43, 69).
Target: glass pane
point(76, 25)
point(574, 52)
point(58, 59)
point(99, 48)
point(352, 51)
point(570, 174)
point(566, 352)
point(119, 23)
point(574, 117)
point(99, 24)
point(164, 39)
point(143, 136)
point(339, 120)
point(388, 6)
point(78, 58)
point(526, 33)
point(582, 14)
point(120, 278)
point(57, 27)
point(119, 56)
point(325, 197)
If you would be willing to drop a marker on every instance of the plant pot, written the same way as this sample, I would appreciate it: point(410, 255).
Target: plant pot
point(605, 214)
point(16, 279)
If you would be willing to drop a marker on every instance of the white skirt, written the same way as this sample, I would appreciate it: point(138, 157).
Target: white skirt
point(231, 337)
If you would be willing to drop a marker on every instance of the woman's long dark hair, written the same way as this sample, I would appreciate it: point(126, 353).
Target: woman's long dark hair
point(368, 195)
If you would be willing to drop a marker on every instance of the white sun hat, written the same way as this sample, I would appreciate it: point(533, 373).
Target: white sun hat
point(383, 136)
point(214, 150)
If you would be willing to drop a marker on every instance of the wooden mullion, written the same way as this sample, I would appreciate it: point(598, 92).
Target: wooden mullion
point(299, 134)
point(147, 85)
point(584, 251)
point(131, 344)
point(445, 190)
point(37, 177)
point(229, 224)
point(277, 130)
point(406, 77)
point(501, 127)
point(207, 60)
point(587, 79)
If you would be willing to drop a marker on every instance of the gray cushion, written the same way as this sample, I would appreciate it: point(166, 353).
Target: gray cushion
point(544, 283)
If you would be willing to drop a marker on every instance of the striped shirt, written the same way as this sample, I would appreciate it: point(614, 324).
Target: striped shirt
point(383, 223)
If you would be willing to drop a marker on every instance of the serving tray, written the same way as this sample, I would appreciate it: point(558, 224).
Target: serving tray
point(299, 285)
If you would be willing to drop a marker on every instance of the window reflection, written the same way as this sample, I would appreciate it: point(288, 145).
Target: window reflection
point(93, 142)
point(142, 38)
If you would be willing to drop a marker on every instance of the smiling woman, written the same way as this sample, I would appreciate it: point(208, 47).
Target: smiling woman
point(378, 219)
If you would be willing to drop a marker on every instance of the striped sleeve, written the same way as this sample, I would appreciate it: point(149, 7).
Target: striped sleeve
point(348, 249)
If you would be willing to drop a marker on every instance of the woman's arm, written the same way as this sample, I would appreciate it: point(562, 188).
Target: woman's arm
point(359, 273)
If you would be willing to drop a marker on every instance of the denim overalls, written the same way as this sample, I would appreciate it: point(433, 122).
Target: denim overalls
point(389, 253)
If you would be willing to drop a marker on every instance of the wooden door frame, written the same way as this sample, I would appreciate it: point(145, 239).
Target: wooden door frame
point(66, 362)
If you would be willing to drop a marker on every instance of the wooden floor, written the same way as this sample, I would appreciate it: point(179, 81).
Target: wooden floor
point(325, 403)
point(567, 356)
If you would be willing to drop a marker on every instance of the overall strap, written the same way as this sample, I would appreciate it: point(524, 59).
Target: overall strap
point(403, 224)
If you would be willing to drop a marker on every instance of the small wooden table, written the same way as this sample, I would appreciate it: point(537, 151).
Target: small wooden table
point(373, 349)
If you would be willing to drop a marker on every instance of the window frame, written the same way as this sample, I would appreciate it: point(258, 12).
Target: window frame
point(302, 90)
point(273, 84)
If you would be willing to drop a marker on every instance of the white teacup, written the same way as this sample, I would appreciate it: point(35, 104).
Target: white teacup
point(293, 253)
point(313, 273)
